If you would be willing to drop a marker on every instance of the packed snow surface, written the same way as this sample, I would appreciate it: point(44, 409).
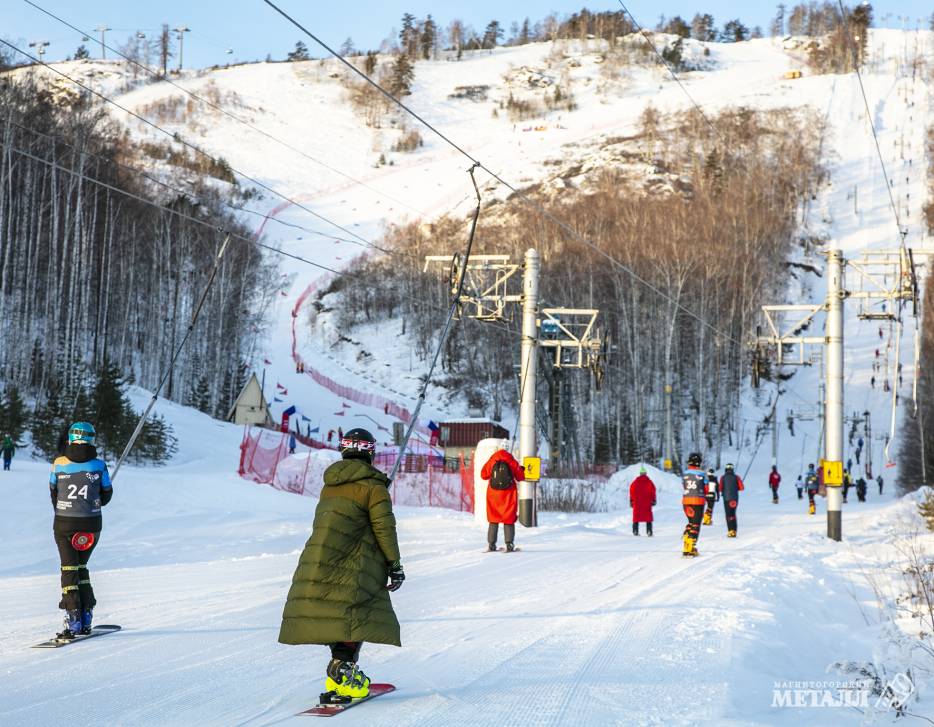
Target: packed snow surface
point(587, 625)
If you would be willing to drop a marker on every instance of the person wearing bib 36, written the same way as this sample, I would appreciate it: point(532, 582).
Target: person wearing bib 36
point(693, 498)
point(339, 595)
point(79, 487)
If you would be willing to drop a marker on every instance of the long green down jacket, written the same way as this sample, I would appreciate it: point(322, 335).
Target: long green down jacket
point(339, 591)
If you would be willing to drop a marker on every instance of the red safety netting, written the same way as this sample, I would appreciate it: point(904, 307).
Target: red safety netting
point(388, 406)
point(265, 458)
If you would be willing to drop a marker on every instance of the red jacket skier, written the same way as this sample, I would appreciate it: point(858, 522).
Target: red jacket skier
point(774, 481)
point(642, 500)
point(502, 497)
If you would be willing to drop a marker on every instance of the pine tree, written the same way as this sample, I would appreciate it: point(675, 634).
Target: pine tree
point(299, 54)
point(400, 83)
point(13, 415)
point(429, 37)
point(156, 443)
point(347, 48)
point(524, 33)
point(369, 63)
point(408, 36)
point(113, 415)
point(200, 395)
point(734, 31)
point(82, 53)
point(492, 35)
point(48, 422)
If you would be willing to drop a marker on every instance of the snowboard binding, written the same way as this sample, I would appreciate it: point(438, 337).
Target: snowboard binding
point(331, 698)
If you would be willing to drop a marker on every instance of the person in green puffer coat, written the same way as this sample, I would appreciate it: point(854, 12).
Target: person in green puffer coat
point(339, 595)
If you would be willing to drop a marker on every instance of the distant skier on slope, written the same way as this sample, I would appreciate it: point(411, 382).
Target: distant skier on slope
point(7, 449)
point(799, 486)
point(847, 483)
point(693, 497)
point(79, 486)
point(813, 485)
point(712, 496)
point(502, 472)
point(775, 480)
point(879, 482)
point(861, 486)
point(339, 596)
point(730, 486)
point(642, 500)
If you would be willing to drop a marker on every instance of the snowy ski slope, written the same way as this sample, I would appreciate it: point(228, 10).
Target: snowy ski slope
point(586, 626)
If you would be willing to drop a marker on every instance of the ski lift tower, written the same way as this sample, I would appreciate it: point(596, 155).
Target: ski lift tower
point(485, 296)
point(890, 276)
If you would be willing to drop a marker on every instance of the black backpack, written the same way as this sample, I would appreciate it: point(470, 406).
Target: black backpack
point(501, 477)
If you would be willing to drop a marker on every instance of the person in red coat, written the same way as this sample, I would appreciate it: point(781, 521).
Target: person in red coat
point(642, 500)
point(775, 480)
point(502, 472)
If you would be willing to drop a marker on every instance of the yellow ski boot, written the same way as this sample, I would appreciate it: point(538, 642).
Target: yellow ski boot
point(346, 680)
point(731, 533)
point(689, 550)
point(708, 519)
point(811, 509)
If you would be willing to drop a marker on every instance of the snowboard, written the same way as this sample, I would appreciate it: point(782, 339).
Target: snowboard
point(56, 642)
point(329, 710)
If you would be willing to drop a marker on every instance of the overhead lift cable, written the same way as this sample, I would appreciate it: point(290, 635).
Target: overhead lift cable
point(175, 137)
point(220, 109)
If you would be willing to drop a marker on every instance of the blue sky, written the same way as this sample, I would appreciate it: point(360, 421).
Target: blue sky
point(253, 30)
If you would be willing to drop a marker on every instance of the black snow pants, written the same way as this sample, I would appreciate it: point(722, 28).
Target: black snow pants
point(509, 533)
point(77, 593)
point(695, 514)
point(648, 528)
point(729, 507)
point(711, 500)
point(346, 650)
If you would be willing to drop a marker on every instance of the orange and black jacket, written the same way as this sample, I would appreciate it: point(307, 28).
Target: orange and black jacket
point(693, 487)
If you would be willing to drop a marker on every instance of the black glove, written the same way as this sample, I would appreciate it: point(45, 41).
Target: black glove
point(396, 576)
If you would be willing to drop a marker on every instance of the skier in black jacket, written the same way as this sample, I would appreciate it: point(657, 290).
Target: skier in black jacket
point(79, 488)
point(730, 486)
point(712, 496)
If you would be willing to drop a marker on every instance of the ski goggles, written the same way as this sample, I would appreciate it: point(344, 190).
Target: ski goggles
point(359, 445)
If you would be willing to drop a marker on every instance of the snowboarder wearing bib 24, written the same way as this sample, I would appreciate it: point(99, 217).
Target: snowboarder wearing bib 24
point(339, 595)
point(730, 486)
point(502, 471)
point(693, 497)
point(712, 496)
point(80, 487)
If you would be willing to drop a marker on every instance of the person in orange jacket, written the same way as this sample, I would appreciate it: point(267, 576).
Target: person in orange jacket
point(642, 500)
point(502, 471)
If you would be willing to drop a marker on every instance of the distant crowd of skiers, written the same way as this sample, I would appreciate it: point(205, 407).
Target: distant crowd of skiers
point(701, 490)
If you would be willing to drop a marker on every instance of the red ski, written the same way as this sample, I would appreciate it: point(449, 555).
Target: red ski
point(329, 710)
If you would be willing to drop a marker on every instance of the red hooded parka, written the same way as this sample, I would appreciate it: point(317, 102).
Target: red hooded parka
point(502, 506)
point(642, 499)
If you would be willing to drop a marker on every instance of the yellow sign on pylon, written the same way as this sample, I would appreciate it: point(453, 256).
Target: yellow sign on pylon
point(667, 465)
point(833, 473)
point(533, 468)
